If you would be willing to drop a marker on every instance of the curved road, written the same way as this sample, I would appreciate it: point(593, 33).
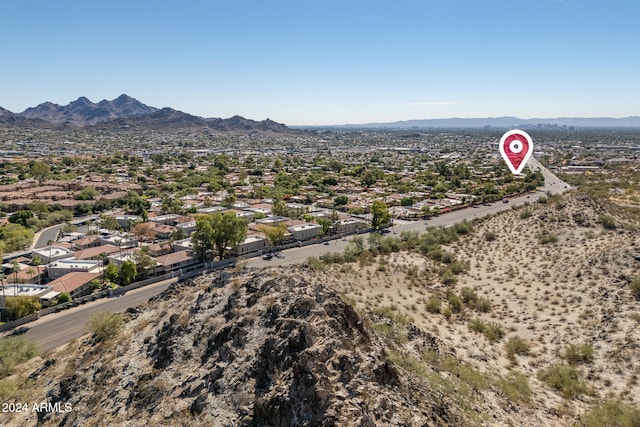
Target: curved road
point(58, 329)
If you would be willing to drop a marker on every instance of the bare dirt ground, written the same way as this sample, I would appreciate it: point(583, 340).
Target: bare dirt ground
point(554, 276)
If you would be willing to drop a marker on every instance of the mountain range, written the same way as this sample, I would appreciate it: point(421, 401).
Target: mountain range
point(128, 113)
point(504, 122)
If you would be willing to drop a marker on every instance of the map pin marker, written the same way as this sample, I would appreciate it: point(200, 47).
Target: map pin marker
point(516, 148)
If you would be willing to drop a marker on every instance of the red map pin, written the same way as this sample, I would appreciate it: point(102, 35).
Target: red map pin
point(516, 148)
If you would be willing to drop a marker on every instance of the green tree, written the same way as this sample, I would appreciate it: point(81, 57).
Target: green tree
point(326, 225)
point(229, 231)
point(202, 237)
point(88, 193)
point(406, 201)
point(274, 234)
point(341, 200)
point(110, 223)
point(128, 272)
point(144, 261)
point(380, 214)
point(63, 297)
point(21, 306)
point(218, 231)
point(39, 170)
point(111, 273)
point(21, 217)
point(172, 205)
point(15, 237)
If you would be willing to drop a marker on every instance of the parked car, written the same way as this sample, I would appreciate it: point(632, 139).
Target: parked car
point(505, 200)
point(267, 256)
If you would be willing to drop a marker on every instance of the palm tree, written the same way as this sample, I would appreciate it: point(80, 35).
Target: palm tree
point(30, 272)
point(50, 244)
point(15, 269)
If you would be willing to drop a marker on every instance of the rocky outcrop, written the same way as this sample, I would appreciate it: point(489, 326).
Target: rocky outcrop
point(258, 350)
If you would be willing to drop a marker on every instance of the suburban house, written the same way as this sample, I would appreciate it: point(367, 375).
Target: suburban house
point(188, 227)
point(304, 231)
point(119, 240)
point(45, 293)
point(183, 245)
point(168, 219)
point(120, 257)
point(252, 243)
point(348, 225)
point(53, 253)
point(125, 221)
point(95, 252)
point(161, 248)
point(87, 242)
point(63, 266)
point(174, 261)
point(76, 283)
point(164, 231)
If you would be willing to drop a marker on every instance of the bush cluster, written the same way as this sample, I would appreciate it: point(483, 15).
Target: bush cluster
point(491, 330)
point(105, 325)
point(564, 378)
point(13, 351)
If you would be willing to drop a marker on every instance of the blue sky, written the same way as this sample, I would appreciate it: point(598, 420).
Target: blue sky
point(328, 62)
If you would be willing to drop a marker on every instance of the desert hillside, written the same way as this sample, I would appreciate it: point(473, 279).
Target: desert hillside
point(524, 318)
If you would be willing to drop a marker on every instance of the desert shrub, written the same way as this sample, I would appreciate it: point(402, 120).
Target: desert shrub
point(516, 387)
point(608, 222)
point(457, 267)
point(475, 379)
point(448, 277)
point(471, 299)
point(564, 378)
point(435, 253)
point(516, 345)
point(433, 305)
point(526, 213)
point(613, 414)
point(455, 303)
point(548, 238)
point(392, 314)
point(447, 258)
point(579, 219)
point(105, 325)
point(468, 295)
point(447, 313)
point(490, 236)
point(13, 351)
point(315, 264)
point(635, 287)
point(483, 305)
point(332, 258)
point(491, 330)
point(542, 199)
point(579, 353)
point(463, 227)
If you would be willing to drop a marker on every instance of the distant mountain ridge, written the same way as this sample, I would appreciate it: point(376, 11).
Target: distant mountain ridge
point(83, 112)
point(504, 122)
point(126, 112)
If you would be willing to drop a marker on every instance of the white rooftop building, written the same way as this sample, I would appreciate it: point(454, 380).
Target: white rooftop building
point(48, 254)
point(63, 266)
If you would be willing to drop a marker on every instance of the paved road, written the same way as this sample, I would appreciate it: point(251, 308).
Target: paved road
point(51, 233)
point(57, 329)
